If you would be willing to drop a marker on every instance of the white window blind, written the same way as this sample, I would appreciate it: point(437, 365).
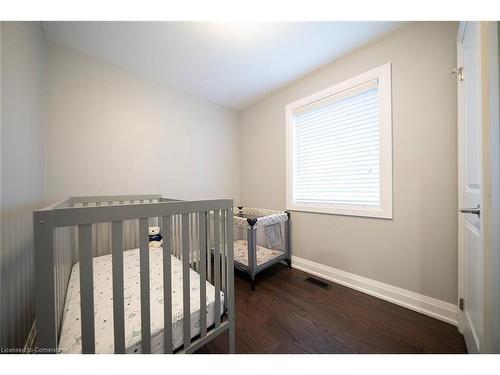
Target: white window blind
point(337, 149)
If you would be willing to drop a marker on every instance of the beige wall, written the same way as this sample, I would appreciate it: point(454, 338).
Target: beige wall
point(110, 132)
point(22, 173)
point(417, 250)
point(113, 132)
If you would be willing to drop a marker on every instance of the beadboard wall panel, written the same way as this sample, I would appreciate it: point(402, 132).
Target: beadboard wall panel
point(22, 173)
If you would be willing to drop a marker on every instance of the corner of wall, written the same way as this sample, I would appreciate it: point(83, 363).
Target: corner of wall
point(238, 159)
point(45, 112)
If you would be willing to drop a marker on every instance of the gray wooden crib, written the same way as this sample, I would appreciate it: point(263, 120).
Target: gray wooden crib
point(66, 237)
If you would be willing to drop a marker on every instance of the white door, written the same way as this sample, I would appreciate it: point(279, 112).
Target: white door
point(471, 279)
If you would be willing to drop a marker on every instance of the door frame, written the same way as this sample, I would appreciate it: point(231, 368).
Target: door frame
point(492, 260)
point(460, 120)
point(461, 169)
point(488, 65)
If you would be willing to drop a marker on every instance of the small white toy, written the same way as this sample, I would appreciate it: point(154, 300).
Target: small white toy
point(155, 238)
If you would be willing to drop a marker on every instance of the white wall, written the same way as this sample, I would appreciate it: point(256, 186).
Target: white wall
point(22, 172)
point(113, 132)
point(417, 250)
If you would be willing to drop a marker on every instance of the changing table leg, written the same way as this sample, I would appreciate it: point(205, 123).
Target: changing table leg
point(288, 248)
point(252, 253)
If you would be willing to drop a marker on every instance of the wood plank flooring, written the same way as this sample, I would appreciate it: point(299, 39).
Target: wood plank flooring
point(286, 314)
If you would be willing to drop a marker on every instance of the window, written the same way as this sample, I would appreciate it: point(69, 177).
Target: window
point(339, 148)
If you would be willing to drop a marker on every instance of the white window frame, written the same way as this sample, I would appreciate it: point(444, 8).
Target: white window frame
point(383, 75)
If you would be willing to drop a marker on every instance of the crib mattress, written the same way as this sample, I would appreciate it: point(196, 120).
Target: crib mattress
point(70, 338)
point(264, 254)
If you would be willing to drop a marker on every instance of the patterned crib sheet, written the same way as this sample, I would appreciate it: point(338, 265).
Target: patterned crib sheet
point(70, 337)
point(264, 254)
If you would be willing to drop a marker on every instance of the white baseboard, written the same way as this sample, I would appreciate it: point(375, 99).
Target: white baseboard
point(438, 309)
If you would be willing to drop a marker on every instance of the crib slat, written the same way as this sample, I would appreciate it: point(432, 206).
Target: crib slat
point(174, 236)
point(217, 267)
point(109, 234)
point(179, 236)
point(167, 285)
point(194, 241)
point(144, 277)
point(230, 279)
point(209, 247)
point(96, 236)
point(202, 230)
point(186, 288)
point(223, 252)
point(191, 254)
point(117, 276)
point(86, 288)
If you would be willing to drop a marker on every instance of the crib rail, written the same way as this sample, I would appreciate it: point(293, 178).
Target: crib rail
point(184, 224)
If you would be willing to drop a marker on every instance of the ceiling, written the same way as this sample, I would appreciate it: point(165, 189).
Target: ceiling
point(231, 64)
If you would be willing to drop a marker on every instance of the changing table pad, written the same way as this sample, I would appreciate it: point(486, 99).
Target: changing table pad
point(70, 338)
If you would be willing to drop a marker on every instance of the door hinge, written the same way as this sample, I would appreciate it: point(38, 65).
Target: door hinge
point(458, 72)
point(461, 304)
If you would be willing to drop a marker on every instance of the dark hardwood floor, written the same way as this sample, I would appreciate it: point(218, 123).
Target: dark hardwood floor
point(286, 314)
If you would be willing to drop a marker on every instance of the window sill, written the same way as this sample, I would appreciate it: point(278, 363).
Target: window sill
point(344, 211)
